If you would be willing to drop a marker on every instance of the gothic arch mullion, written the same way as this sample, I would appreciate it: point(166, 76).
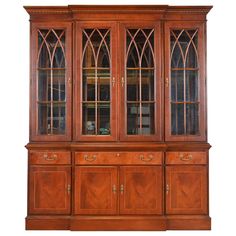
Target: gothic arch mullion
point(86, 45)
point(180, 48)
point(55, 47)
point(147, 42)
point(100, 45)
point(134, 43)
point(44, 42)
point(176, 42)
point(191, 42)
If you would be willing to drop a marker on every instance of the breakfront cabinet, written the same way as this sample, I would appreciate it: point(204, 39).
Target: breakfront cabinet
point(118, 132)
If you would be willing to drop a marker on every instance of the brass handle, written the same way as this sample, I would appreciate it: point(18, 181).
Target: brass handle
point(113, 81)
point(121, 188)
point(50, 158)
point(68, 188)
point(90, 158)
point(114, 188)
point(187, 157)
point(167, 188)
point(122, 81)
point(118, 154)
point(149, 158)
point(167, 82)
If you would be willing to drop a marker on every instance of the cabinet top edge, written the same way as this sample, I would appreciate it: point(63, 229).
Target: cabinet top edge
point(70, 9)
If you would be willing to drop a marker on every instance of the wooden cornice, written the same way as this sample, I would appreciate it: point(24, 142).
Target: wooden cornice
point(116, 9)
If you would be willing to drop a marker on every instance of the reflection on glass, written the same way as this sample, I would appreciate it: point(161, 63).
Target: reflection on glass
point(147, 85)
point(96, 82)
point(177, 119)
point(132, 85)
point(133, 117)
point(51, 118)
point(51, 81)
point(192, 119)
point(177, 85)
point(103, 85)
point(184, 82)
point(104, 119)
point(137, 124)
point(140, 81)
point(89, 125)
point(192, 86)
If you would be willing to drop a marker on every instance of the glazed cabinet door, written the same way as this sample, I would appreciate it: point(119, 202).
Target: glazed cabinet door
point(186, 190)
point(50, 82)
point(140, 81)
point(95, 190)
point(141, 190)
point(185, 117)
point(49, 190)
point(96, 83)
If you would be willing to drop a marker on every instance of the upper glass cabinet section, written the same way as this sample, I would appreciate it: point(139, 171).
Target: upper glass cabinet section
point(96, 82)
point(184, 82)
point(140, 81)
point(51, 82)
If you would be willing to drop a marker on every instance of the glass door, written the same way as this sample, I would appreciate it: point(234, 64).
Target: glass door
point(51, 80)
point(185, 118)
point(97, 82)
point(140, 83)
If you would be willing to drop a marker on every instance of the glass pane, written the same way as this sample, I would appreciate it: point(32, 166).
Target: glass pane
point(44, 118)
point(103, 80)
point(89, 125)
point(148, 119)
point(59, 119)
point(51, 81)
point(177, 119)
point(89, 85)
point(44, 84)
point(132, 85)
point(104, 119)
point(192, 119)
point(96, 81)
point(59, 85)
point(191, 86)
point(133, 119)
point(147, 85)
point(177, 85)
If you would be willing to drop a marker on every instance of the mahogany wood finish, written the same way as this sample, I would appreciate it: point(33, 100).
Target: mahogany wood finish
point(143, 164)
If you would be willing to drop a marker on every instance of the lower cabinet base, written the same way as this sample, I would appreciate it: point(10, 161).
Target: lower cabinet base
point(118, 223)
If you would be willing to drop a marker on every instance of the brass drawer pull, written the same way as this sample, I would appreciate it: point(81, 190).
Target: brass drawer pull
point(149, 158)
point(90, 158)
point(118, 154)
point(187, 157)
point(121, 188)
point(50, 158)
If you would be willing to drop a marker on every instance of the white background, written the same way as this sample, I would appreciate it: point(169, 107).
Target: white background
point(14, 103)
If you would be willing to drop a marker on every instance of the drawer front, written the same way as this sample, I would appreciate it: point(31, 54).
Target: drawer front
point(183, 158)
point(48, 158)
point(118, 158)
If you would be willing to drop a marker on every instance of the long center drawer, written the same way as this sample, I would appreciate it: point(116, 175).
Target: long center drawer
point(118, 158)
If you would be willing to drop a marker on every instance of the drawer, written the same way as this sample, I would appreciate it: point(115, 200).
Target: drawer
point(48, 158)
point(186, 158)
point(118, 158)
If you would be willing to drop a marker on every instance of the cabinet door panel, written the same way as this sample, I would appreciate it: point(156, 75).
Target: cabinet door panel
point(96, 81)
point(185, 82)
point(50, 77)
point(141, 190)
point(96, 190)
point(49, 190)
point(140, 84)
point(186, 191)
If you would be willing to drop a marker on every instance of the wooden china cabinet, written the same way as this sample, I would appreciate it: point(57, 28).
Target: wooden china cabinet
point(118, 131)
